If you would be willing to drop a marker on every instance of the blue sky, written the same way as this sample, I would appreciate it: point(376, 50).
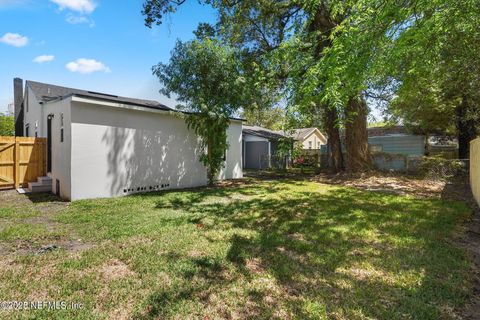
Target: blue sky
point(99, 45)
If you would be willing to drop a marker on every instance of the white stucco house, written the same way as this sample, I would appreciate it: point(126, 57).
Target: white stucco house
point(102, 145)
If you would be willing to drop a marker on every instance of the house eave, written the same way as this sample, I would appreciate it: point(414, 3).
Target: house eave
point(102, 102)
point(106, 103)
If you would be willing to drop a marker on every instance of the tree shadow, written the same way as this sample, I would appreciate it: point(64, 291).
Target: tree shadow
point(343, 252)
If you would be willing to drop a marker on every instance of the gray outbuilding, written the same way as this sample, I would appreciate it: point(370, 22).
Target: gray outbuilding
point(260, 146)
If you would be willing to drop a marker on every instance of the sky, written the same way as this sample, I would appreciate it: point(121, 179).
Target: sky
point(97, 45)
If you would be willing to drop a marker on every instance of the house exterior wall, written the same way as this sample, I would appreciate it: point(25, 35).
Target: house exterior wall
point(400, 144)
point(233, 164)
point(400, 147)
point(61, 151)
point(118, 151)
point(251, 155)
point(33, 115)
point(314, 138)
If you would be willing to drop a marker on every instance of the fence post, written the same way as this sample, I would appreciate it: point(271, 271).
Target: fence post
point(17, 163)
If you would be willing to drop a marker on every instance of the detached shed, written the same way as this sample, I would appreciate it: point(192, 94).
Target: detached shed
point(393, 152)
point(259, 147)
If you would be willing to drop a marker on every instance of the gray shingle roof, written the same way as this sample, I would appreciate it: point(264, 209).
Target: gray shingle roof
point(47, 92)
point(300, 134)
point(262, 132)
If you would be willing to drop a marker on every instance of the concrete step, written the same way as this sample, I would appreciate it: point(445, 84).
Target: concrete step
point(45, 180)
point(39, 187)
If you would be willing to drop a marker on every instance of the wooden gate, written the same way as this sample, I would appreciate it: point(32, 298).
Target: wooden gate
point(22, 160)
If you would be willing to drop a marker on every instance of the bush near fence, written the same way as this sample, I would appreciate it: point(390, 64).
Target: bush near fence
point(475, 168)
point(441, 168)
point(427, 167)
point(308, 158)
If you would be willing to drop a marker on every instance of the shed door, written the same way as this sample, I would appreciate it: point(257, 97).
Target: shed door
point(256, 153)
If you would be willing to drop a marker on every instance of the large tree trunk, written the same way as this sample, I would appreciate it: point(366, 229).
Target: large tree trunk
point(466, 128)
point(334, 144)
point(356, 136)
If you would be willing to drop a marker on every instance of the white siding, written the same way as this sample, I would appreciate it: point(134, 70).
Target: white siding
point(233, 165)
point(61, 151)
point(116, 149)
point(314, 138)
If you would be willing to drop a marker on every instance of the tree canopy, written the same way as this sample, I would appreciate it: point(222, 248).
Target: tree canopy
point(206, 78)
point(327, 58)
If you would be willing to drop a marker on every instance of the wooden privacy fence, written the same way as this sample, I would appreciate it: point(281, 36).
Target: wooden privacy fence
point(22, 160)
point(475, 168)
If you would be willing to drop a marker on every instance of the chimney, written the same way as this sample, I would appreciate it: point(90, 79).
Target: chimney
point(18, 106)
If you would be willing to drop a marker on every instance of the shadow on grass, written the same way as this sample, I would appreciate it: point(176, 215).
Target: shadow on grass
point(43, 197)
point(346, 252)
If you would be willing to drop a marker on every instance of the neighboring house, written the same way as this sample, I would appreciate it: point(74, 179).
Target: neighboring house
point(259, 146)
point(310, 138)
point(102, 145)
point(394, 149)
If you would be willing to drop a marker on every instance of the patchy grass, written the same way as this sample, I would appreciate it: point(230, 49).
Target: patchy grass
point(272, 249)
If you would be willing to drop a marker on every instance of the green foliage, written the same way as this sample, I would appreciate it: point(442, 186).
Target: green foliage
point(206, 77)
point(7, 125)
point(270, 118)
point(441, 168)
point(425, 52)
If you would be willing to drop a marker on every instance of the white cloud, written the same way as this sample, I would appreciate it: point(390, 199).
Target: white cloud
point(86, 66)
point(82, 6)
point(44, 58)
point(14, 39)
point(72, 19)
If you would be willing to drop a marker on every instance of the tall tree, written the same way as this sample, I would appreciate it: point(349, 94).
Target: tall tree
point(206, 78)
point(429, 50)
point(288, 39)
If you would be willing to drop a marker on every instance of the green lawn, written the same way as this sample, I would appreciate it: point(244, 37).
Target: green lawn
point(279, 249)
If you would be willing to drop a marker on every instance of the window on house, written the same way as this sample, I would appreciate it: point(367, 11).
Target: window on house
point(319, 145)
point(309, 144)
point(376, 148)
point(61, 127)
point(27, 130)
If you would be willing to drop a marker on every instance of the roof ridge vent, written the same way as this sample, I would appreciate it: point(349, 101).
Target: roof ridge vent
point(103, 94)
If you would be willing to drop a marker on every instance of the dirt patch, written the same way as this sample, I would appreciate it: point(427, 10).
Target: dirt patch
point(387, 183)
point(468, 238)
point(254, 265)
point(115, 270)
point(124, 312)
point(22, 247)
